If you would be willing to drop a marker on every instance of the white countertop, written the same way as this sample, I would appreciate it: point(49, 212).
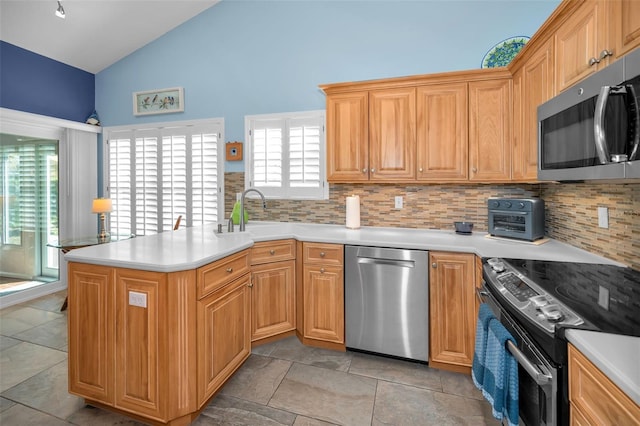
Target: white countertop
point(616, 356)
point(194, 247)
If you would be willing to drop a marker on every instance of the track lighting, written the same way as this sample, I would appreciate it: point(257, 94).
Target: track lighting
point(60, 12)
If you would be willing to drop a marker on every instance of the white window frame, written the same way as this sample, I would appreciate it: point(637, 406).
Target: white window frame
point(159, 129)
point(286, 192)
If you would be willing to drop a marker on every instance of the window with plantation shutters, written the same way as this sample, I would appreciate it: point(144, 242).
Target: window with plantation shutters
point(155, 175)
point(285, 155)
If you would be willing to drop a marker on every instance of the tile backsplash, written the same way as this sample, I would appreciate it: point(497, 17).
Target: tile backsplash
point(571, 210)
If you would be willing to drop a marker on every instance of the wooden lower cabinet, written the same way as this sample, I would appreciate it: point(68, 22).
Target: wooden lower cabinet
point(273, 309)
point(323, 295)
point(224, 335)
point(594, 399)
point(132, 340)
point(452, 313)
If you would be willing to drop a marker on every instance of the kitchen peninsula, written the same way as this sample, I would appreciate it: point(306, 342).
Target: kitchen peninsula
point(157, 324)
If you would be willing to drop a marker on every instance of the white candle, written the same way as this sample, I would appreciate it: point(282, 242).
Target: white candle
point(353, 212)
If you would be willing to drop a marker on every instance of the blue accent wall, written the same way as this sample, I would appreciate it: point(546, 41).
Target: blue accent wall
point(34, 83)
point(243, 57)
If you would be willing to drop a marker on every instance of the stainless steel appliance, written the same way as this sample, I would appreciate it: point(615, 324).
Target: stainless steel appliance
point(521, 218)
point(592, 130)
point(537, 301)
point(387, 301)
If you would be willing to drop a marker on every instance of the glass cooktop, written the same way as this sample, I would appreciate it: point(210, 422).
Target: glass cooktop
point(606, 296)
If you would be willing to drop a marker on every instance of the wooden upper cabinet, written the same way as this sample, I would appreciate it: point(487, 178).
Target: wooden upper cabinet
point(533, 85)
point(348, 137)
point(624, 26)
point(580, 39)
point(392, 134)
point(442, 134)
point(490, 136)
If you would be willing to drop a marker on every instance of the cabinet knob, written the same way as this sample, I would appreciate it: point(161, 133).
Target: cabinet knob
point(365, 170)
point(229, 270)
point(322, 254)
point(593, 61)
point(420, 169)
point(604, 54)
point(250, 284)
point(434, 265)
point(474, 170)
point(322, 270)
point(373, 170)
point(272, 252)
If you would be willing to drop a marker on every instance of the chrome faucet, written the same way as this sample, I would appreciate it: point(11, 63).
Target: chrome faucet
point(264, 205)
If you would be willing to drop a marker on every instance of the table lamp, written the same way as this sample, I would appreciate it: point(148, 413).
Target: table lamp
point(102, 206)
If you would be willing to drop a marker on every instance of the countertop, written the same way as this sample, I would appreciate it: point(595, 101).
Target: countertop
point(616, 356)
point(194, 247)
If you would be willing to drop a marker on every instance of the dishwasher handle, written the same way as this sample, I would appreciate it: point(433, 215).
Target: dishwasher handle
point(387, 262)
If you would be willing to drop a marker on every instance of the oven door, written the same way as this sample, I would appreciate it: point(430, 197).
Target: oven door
point(537, 378)
point(512, 224)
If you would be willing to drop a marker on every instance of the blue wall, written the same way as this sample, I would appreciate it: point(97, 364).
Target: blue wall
point(245, 57)
point(33, 83)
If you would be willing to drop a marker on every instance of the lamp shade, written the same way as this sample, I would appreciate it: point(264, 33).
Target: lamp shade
point(101, 205)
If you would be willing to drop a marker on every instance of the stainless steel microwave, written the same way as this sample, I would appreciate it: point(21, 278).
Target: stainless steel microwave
point(592, 130)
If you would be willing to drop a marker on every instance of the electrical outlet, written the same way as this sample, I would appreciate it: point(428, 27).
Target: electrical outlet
point(399, 202)
point(137, 299)
point(603, 217)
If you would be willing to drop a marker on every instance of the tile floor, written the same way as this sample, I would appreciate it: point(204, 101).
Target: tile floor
point(282, 383)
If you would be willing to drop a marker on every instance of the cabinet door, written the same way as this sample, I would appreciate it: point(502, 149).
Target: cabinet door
point(392, 134)
point(91, 332)
point(490, 130)
point(533, 85)
point(347, 137)
point(272, 299)
point(579, 39)
point(324, 303)
point(137, 342)
point(624, 23)
point(452, 308)
point(442, 138)
point(224, 335)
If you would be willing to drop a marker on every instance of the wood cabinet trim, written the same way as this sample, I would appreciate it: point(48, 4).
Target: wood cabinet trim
point(273, 251)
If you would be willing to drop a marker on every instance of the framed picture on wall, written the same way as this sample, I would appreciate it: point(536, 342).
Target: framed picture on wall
point(161, 101)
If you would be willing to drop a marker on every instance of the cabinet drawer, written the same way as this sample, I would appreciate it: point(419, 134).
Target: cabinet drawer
point(327, 254)
point(273, 251)
point(597, 398)
point(221, 272)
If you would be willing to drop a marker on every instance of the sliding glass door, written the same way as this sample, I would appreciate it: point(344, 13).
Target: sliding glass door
point(28, 211)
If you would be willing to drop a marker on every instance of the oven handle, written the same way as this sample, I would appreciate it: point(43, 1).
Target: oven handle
point(539, 377)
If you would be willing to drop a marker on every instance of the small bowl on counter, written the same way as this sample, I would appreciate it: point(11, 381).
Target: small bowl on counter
point(464, 228)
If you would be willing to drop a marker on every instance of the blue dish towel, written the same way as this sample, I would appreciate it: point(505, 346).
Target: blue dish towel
point(482, 328)
point(500, 381)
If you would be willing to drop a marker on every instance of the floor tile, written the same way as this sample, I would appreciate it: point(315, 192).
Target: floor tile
point(51, 302)
point(25, 416)
point(52, 334)
point(394, 370)
point(23, 318)
point(7, 342)
point(257, 379)
point(224, 410)
point(20, 362)
point(408, 405)
point(459, 384)
point(291, 349)
point(93, 416)
point(47, 392)
point(327, 395)
point(307, 421)
point(5, 404)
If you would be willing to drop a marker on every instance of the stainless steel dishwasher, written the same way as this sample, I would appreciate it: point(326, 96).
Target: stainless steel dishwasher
point(387, 301)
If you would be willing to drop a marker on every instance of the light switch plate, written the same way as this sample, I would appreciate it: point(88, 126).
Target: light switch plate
point(137, 299)
point(603, 217)
point(399, 202)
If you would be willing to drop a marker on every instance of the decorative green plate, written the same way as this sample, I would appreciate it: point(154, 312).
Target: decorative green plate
point(502, 53)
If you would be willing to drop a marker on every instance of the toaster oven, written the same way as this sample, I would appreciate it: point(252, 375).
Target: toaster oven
point(519, 218)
